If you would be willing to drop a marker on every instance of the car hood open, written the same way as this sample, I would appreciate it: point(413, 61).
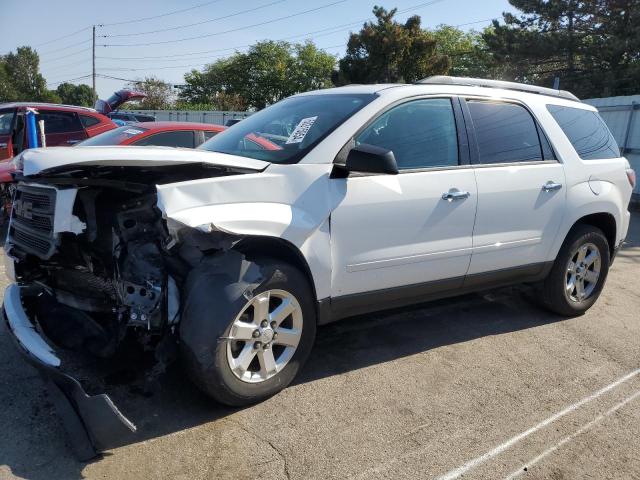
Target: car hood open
point(39, 160)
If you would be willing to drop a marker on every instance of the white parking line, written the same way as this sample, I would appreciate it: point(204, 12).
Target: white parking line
point(457, 472)
point(568, 438)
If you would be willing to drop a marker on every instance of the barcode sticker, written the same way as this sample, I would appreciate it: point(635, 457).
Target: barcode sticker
point(301, 130)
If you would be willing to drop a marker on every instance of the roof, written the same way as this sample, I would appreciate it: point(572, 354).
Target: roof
point(458, 86)
point(48, 105)
point(177, 126)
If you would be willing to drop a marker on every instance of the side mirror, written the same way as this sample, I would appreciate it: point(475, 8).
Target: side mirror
point(367, 158)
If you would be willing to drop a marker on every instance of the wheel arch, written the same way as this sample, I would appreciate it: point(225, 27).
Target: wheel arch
point(605, 221)
point(278, 249)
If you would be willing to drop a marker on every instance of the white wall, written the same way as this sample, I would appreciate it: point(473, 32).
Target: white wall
point(622, 116)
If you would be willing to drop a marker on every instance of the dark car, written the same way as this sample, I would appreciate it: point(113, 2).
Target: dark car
point(131, 117)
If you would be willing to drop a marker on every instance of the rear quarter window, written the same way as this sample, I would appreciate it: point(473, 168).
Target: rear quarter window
point(586, 131)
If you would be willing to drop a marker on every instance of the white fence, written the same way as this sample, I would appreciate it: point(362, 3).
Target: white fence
point(622, 116)
point(210, 116)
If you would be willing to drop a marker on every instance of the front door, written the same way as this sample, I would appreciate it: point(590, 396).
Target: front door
point(414, 228)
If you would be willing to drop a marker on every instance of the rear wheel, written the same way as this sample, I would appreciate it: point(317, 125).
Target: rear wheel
point(579, 272)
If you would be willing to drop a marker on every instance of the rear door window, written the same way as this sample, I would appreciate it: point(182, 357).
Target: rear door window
point(505, 132)
point(59, 122)
point(586, 131)
point(180, 138)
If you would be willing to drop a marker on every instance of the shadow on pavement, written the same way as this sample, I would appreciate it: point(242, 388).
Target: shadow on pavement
point(176, 405)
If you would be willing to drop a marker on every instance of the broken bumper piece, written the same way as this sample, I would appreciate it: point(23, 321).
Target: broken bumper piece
point(93, 423)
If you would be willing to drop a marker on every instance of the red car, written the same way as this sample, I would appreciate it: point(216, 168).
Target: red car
point(168, 134)
point(65, 125)
point(164, 134)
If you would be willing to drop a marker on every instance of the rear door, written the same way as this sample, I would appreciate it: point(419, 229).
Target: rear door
point(7, 118)
point(62, 129)
point(521, 188)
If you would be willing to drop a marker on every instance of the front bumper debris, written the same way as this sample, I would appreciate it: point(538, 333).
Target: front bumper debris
point(93, 423)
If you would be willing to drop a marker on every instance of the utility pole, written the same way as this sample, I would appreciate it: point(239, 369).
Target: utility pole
point(93, 62)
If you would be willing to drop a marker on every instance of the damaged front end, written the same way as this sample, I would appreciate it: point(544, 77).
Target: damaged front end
point(94, 264)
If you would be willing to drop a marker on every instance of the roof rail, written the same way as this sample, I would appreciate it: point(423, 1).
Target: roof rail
point(480, 82)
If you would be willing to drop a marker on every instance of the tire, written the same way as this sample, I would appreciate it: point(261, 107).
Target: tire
point(559, 293)
point(217, 311)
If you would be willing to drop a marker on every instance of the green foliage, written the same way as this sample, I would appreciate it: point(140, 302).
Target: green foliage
point(591, 46)
point(159, 94)
point(467, 52)
point(388, 51)
point(70, 94)
point(20, 77)
point(268, 72)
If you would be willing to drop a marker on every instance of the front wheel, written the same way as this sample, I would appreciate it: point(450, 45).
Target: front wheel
point(250, 339)
point(578, 273)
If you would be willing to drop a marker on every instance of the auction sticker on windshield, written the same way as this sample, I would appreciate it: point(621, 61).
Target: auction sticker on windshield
point(301, 130)
point(132, 131)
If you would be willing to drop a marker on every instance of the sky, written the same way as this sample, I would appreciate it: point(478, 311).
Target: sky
point(61, 31)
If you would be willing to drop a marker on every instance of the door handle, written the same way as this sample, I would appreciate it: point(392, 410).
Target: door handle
point(455, 194)
point(551, 186)
point(72, 142)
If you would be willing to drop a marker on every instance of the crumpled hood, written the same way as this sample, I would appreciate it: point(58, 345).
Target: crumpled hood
point(35, 161)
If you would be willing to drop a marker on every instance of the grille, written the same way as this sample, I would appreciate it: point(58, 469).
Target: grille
point(31, 228)
point(37, 222)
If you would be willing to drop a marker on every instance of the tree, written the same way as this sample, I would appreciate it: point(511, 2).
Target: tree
point(268, 72)
point(591, 46)
point(388, 51)
point(159, 94)
point(20, 77)
point(467, 52)
point(7, 89)
point(71, 94)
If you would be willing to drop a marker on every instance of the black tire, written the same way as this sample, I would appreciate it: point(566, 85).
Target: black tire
point(214, 300)
point(554, 292)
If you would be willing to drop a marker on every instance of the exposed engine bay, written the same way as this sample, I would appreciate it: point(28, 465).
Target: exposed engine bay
point(92, 247)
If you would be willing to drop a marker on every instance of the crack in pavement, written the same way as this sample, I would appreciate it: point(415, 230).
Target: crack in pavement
point(285, 463)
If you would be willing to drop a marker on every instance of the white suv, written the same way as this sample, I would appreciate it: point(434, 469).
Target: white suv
point(325, 205)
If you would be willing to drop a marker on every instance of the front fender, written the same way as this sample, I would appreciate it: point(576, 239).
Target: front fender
point(289, 202)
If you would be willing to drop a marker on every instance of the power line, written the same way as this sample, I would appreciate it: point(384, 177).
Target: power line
point(69, 80)
point(66, 56)
point(333, 29)
point(226, 31)
point(473, 23)
point(56, 67)
point(63, 37)
point(65, 47)
point(149, 32)
point(126, 22)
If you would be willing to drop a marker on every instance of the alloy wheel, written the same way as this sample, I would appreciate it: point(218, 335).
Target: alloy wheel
point(583, 272)
point(264, 336)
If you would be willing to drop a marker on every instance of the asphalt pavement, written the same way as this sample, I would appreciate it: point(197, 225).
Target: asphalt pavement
point(482, 386)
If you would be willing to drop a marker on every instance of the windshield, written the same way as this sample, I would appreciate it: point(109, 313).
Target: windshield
point(286, 131)
point(113, 137)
